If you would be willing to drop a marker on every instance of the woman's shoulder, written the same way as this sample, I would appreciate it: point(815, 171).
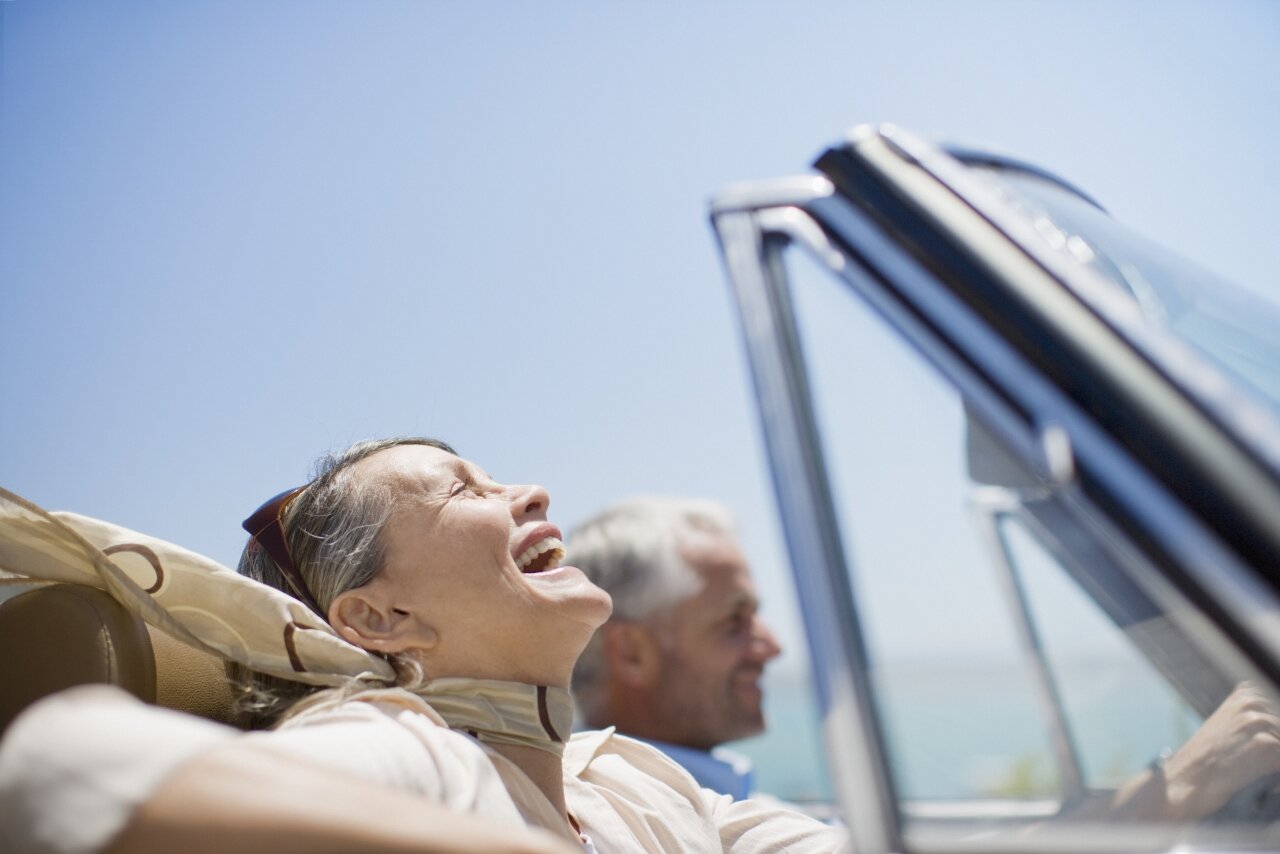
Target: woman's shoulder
point(641, 779)
point(609, 753)
point(370, 705)
point(385, 735)
point(587, 745)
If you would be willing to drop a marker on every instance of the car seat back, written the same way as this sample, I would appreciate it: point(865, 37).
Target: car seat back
point(60, 635)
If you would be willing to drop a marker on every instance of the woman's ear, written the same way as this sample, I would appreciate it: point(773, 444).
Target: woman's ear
point(362, 617)
point(632, 653)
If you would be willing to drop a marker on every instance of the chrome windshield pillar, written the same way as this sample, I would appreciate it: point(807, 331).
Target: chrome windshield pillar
point(753, 229)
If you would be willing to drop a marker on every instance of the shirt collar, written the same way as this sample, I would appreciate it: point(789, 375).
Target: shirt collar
point(720, 769)
point(583, 747)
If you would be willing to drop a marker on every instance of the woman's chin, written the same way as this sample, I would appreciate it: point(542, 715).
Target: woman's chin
point(569, 592)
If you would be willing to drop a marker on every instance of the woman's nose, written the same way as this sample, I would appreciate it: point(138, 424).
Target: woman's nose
point(530, 499)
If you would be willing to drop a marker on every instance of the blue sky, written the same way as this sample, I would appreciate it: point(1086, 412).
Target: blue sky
point(236, 235)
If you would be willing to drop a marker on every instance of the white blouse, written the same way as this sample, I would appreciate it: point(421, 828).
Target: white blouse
point(75, 766)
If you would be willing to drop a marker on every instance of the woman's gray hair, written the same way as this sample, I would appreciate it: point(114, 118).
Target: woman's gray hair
point(633, 551)
point(333, 529)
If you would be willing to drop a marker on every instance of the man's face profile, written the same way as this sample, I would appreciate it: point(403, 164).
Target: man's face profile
point(713, 650)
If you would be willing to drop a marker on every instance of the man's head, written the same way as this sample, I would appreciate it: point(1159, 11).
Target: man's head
point(681, 659)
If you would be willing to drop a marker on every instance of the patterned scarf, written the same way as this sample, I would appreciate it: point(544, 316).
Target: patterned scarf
point(503, 712)
point(215, 609)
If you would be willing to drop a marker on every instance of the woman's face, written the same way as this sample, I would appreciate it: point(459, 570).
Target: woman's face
point(471, 583)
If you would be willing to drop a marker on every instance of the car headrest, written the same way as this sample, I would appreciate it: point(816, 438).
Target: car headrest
point(61, 635)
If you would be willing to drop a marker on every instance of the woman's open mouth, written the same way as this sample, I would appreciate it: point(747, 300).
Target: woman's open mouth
point(543, 555)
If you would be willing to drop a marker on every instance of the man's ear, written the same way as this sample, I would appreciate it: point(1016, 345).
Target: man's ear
point(363, 617)
point(632, 653)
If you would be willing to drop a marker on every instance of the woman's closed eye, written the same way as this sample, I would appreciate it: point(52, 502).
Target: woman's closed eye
point(469, 485)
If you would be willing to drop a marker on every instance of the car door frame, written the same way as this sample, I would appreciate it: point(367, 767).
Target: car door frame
point(1002, 325)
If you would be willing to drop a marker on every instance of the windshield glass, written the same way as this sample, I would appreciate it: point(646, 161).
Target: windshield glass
point(1031, 671)
point(1234, 329)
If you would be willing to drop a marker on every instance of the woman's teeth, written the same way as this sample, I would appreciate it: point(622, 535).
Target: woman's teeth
point(543, 555)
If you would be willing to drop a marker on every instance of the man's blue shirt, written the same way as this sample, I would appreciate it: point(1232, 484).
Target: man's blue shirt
point(719, 769)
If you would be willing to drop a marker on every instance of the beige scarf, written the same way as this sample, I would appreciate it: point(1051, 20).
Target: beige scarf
point(503, 712)
point(202, 603)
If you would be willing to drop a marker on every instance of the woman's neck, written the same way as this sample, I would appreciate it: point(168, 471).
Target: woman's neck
point(525, 723)
point(545, 770)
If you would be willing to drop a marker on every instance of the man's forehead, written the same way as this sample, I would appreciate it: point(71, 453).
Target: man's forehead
point(711, 550)
point(717, 560)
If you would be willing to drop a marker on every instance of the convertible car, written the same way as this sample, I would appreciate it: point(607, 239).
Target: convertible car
point(1028, 466)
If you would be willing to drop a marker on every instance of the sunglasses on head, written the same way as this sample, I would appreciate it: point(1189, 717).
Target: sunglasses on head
point(266, 527)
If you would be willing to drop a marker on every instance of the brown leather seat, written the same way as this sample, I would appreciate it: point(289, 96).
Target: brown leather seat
point(57, 636)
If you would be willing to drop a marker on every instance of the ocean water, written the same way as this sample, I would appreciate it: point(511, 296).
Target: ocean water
point(974, 731)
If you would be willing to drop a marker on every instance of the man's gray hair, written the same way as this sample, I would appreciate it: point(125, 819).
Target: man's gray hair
point(632, 550)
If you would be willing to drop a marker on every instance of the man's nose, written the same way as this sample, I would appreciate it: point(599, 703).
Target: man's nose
point(764, 645)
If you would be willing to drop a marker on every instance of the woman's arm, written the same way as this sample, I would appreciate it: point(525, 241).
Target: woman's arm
point(93, 769)
point(237, 798)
